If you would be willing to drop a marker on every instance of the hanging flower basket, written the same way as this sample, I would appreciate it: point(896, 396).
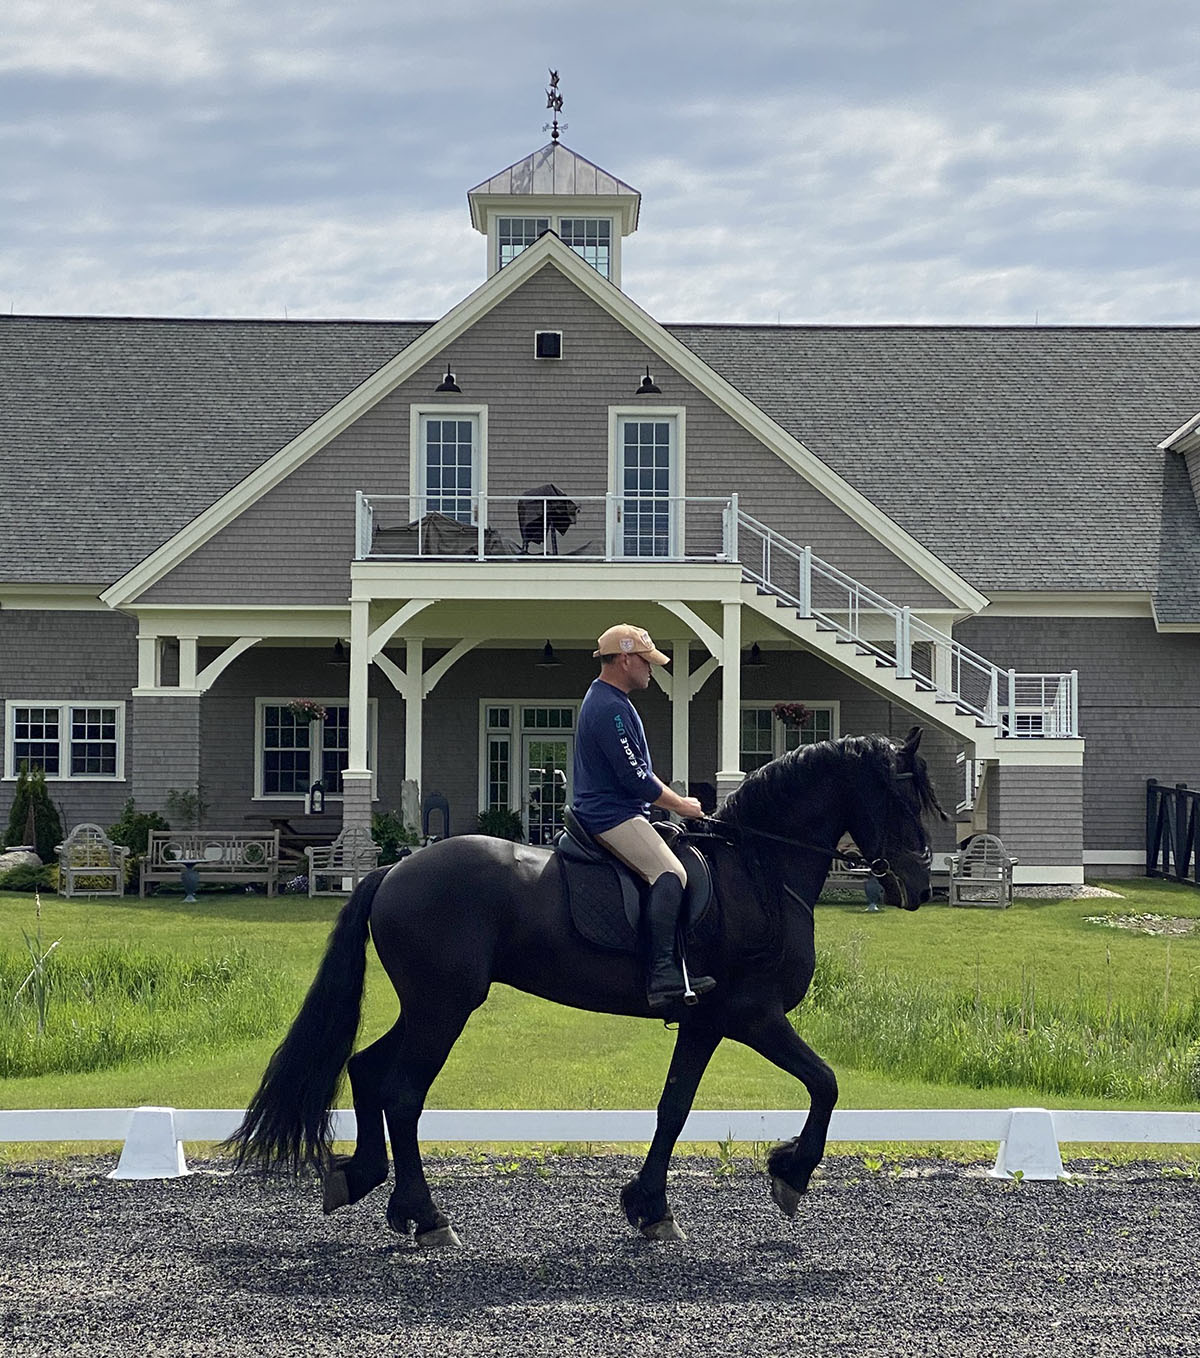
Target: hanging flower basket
point(304, 709)
point(791, 714)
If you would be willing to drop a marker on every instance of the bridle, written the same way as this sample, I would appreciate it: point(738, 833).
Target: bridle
point(880, 868)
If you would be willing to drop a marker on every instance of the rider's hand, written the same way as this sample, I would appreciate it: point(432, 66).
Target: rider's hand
point(690, 808)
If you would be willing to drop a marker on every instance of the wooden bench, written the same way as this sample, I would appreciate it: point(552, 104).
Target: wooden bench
point(981, 873)
point(90, 864)
point(220, 856)
point(348, 859)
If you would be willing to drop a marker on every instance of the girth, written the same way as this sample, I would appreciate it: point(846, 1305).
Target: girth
point(605, 898)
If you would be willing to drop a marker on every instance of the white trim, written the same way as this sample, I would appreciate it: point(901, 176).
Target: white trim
point(1125, 857)
point(676, 416)
point(549, 251)
point(1179, 436)
point(50, 598)
point(372, 748)
point(1034, 753)
point(1029, 874)
point(420, 411)
point(1019, 603)
point(65, 707)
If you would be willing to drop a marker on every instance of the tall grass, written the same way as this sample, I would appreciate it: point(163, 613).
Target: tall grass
point(1100, 1039)
point(106, 1005)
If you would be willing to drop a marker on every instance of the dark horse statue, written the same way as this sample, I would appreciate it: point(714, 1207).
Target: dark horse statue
point(472, 910)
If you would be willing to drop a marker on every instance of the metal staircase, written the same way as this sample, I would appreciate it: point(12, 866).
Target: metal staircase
point(891, 649)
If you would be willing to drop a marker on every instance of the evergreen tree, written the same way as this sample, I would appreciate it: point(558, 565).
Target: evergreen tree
point(31, 804)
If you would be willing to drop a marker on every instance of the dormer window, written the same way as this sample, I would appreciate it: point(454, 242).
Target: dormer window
point(590, 238)
point(514, 234)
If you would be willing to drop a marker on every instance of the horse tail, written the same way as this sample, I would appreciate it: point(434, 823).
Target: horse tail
point(288, 1122)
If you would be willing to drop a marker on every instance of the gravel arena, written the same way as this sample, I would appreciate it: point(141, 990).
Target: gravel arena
point(899, 1257)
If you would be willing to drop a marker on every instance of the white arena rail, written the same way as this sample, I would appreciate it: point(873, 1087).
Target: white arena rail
point(1028, 1137)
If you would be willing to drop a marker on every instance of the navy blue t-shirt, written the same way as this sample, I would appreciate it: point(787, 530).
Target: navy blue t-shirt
point(614, 779)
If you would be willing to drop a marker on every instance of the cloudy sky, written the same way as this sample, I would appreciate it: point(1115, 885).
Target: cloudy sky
point(1033, 161)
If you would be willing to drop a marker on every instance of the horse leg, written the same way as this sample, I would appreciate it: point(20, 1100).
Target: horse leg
point(644, 1198)
point(351, 1177)
point(791, 1164)
point(423, 1051)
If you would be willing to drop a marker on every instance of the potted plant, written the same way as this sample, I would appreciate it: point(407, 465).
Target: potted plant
point(305, 709)
point(791, 714)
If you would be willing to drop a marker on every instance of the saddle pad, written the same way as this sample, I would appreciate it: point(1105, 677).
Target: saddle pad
point(604, 899)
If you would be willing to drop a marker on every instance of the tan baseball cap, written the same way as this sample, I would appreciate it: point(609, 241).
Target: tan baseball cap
point(626, 639)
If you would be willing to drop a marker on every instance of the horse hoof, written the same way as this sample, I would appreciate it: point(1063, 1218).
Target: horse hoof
point(440, 1237)
point(664, 1230)
point(336, 1191)
point(784, 1196)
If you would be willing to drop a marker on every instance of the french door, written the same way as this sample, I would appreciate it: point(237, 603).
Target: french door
point(646, 484)
point(546, 765)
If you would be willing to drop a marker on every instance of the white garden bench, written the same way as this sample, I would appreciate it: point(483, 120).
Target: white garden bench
point(345, 862)
point(981, 873)
point(90, 864)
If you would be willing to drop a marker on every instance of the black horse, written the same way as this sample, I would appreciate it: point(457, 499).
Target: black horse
point(468, 911)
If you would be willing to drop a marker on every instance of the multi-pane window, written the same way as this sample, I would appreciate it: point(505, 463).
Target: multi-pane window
point(296, 753)
point(449, 466)
point(64, 740)
point(514, 234)
point(646, 447)
point(590, 238)
point(764, 737)
point(499, 759)
point(526, 756)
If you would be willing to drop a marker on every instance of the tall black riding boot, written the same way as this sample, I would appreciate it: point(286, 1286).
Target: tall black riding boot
point(665, 982)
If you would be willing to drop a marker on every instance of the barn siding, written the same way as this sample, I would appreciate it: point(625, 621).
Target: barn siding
point(547, 421)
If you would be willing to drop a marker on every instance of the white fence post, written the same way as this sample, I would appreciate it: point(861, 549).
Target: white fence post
point(151, 1150)
point(1031, 1147)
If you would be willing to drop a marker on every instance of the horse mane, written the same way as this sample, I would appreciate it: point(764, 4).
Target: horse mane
point(765, 793)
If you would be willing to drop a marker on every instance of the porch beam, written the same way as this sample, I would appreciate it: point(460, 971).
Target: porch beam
point(437, 671)
point(214, 669)
point(708, 635)
point(380, 637)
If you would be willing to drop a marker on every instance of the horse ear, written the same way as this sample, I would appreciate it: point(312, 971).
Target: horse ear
point(912, 740)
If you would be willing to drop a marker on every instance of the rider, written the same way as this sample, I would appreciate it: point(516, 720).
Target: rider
point(614, 788)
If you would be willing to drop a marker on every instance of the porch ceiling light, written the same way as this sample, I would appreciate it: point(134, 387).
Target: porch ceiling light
point(753, 659)
point(549, 660)
point(648, 388)
point(448, 383)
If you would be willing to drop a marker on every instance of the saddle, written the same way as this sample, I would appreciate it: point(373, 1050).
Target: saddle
point(605, 898)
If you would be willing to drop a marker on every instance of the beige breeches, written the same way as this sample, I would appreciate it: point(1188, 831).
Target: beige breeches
point(640, 847)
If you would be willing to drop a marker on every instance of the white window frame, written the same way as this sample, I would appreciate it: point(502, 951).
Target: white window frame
point(779, 731)
point(548, 358)
point(417, 416)
point(677, 417)
point(516, 732)
point(555, 219)
point(64, 706)
point(260, 706)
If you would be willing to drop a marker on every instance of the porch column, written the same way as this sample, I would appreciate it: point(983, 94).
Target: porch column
point(681, 694)
point(414, 666)
point(356, 777)
point(729, 723)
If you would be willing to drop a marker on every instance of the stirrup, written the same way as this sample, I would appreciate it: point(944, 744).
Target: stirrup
point(691, 994)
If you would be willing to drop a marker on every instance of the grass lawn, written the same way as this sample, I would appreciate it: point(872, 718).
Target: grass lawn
point(522, 1052)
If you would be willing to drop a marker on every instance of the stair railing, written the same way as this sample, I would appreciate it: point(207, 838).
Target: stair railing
point(1016, 704)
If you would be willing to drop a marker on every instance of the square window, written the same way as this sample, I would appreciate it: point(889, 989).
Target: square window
point(548, 344)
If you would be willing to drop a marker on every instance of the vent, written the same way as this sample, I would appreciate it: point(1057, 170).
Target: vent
point(547, 344)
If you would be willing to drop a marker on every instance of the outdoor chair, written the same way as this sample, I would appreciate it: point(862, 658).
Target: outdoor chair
point(981, 873)
point(90, 864)
point(347, 860)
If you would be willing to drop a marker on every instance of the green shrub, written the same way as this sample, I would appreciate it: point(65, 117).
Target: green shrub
point(29, 878)
point(187, 807)
point(392, 835)
point(31, 800)
point(133, 829)
point(501, 823)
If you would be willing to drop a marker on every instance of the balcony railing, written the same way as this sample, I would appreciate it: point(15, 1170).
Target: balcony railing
point(612, 527)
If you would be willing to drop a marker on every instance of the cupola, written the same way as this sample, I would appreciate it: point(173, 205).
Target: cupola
point(555, 189)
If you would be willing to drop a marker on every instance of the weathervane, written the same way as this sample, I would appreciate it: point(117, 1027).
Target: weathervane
point(554, 100)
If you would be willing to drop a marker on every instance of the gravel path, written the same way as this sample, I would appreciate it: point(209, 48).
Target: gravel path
point(912, 1259)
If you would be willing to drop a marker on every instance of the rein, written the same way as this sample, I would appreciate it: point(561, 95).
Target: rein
point(879, 867)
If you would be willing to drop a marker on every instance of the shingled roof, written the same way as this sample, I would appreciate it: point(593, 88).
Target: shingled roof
point(1024, 458)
